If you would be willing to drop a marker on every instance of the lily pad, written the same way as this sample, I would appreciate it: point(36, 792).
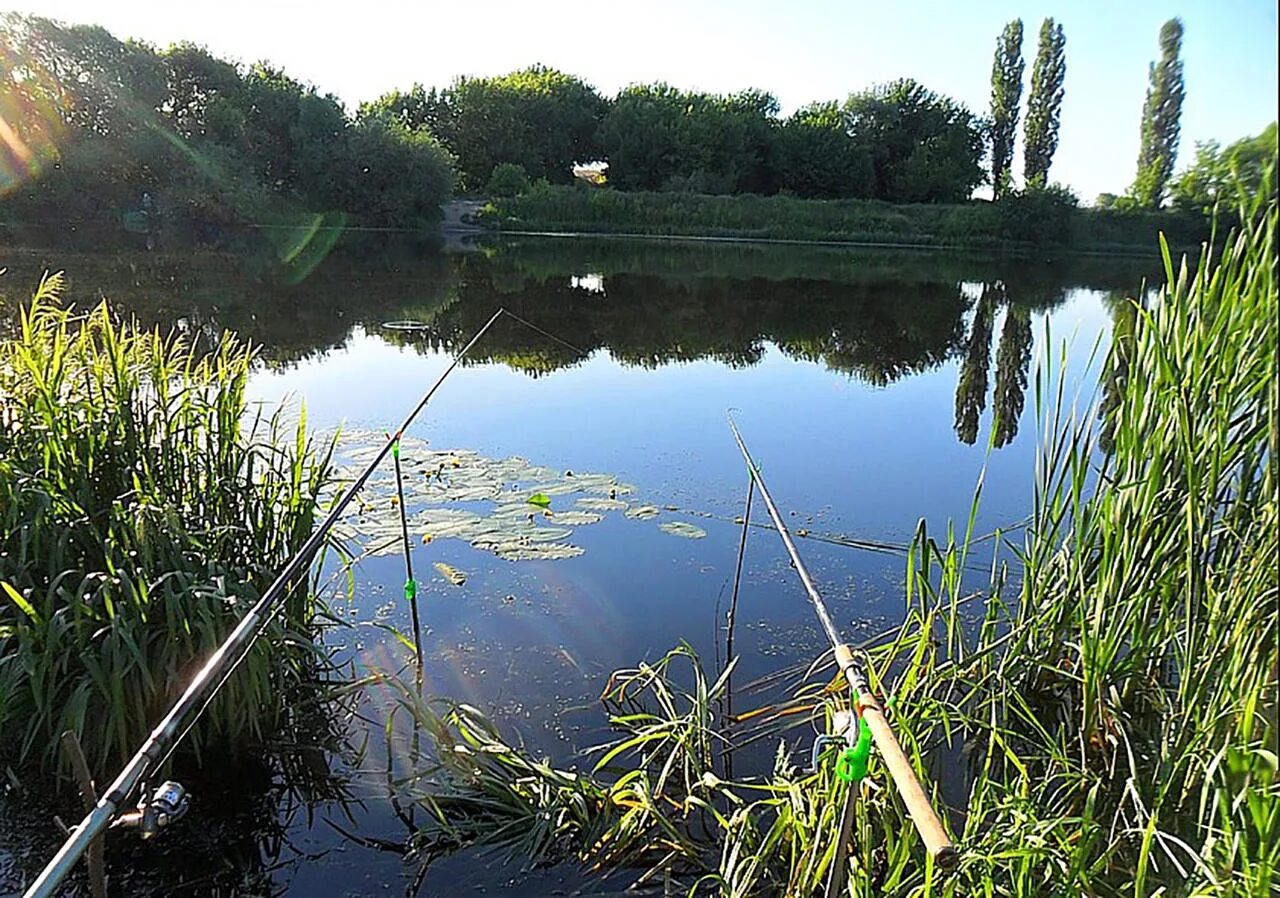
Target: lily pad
point(542, 500)
point(643, 512)
point(682, 528)
point(596, 503)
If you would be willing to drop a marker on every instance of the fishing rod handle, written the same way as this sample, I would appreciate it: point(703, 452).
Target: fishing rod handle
point(935, 837)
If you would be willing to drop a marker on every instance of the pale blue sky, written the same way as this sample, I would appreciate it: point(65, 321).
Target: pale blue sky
point(801, 51)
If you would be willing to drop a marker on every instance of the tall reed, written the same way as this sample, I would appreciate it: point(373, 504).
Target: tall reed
point(142, 510)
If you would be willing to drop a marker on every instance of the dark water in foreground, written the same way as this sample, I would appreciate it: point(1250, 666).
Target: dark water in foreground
point(866, 385)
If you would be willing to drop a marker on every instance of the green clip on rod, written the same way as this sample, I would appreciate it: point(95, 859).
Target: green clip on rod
point(209, 679)
point(927, 823)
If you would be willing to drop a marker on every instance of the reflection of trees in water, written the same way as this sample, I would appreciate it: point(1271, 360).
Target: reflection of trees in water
point(1013, 361)
point(877, 331)
point(877, 316)
point(971, 391)
point(203, 294)
point(1115, 374)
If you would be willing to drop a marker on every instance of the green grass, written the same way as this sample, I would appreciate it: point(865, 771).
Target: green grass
point(1021, 224)
point(1117, 705)
point(143, 510)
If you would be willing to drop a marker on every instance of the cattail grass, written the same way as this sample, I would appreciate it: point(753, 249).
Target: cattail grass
point(142, 511)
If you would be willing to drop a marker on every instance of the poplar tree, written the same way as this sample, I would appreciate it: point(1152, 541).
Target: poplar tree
point(1044, 105)
point(1161, 119)
point(1006, 98)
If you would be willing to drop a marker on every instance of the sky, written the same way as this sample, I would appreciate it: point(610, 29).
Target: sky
point(800, 50)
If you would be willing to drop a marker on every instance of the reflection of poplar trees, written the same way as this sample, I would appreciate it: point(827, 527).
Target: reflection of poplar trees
point(1115, 375)
point(1013, 361)
point(971, 392)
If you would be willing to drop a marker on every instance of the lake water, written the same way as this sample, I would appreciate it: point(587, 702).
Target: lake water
point(864, 383)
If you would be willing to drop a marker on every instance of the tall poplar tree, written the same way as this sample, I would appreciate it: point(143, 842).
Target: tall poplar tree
point(1044, 105)
point(1006, 99)
point(1161, 119)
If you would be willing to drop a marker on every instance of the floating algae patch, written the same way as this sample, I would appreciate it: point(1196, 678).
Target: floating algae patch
point(682, 528)
point(503, 506)
point(451, 573)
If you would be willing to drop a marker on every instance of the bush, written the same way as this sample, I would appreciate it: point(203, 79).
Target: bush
point(143, 510)
point(508, 179)
point(1038, 215)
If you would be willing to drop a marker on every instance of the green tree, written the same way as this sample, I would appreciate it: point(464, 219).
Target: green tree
point(1044, 104)
point(657, 137)
point(1006, 100)
point(816, 158)
point(198, 143)
point(539, 118)
point(924, 148)
point(1217, 174)
point(1161, 119)
point(508, 179)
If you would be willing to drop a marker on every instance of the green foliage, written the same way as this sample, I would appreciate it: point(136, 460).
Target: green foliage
point(1217, 174)
point(1042, 218)
point(508, 179)
point(817, 159)
point(539, 118)
point(1044, 104)
point(143, 511)
point(656, 137)
point(924, 148)
point(188, 143)
point(1161, 120)
point(1006, 99)
point(1038, 215)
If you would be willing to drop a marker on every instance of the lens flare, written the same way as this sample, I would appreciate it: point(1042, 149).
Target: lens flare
point(31, 120)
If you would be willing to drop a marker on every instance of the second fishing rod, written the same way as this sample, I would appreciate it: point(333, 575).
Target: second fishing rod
point(931, 830)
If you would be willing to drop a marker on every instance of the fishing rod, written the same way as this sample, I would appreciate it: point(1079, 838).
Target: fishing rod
point(221, 664)
point(936, 841)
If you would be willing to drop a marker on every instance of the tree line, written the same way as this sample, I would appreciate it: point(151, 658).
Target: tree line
point(898, 142)
point(99, 125)
point(106, 126)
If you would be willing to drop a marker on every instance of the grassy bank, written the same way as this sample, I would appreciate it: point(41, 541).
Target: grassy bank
point(143, 511)
point(1110, 719)
point(1021, 223)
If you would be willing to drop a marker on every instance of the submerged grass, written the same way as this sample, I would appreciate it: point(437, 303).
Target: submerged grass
point(1116, 711)
point(142, 510)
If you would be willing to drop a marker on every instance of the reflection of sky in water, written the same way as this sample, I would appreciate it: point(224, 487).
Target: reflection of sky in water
point(845, 457)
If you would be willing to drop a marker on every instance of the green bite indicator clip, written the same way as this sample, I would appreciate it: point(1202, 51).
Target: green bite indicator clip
point(410, 590)
point(851, 766)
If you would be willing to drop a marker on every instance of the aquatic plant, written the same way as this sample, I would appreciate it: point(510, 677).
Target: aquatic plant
point(1115, 713)
point(143, 510)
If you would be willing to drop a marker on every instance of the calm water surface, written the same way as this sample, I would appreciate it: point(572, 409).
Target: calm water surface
point(866, 385)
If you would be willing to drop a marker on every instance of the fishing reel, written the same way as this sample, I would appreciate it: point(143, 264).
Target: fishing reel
point(168, 803)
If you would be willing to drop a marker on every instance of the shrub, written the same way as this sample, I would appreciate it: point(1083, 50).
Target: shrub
point(508, 179)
